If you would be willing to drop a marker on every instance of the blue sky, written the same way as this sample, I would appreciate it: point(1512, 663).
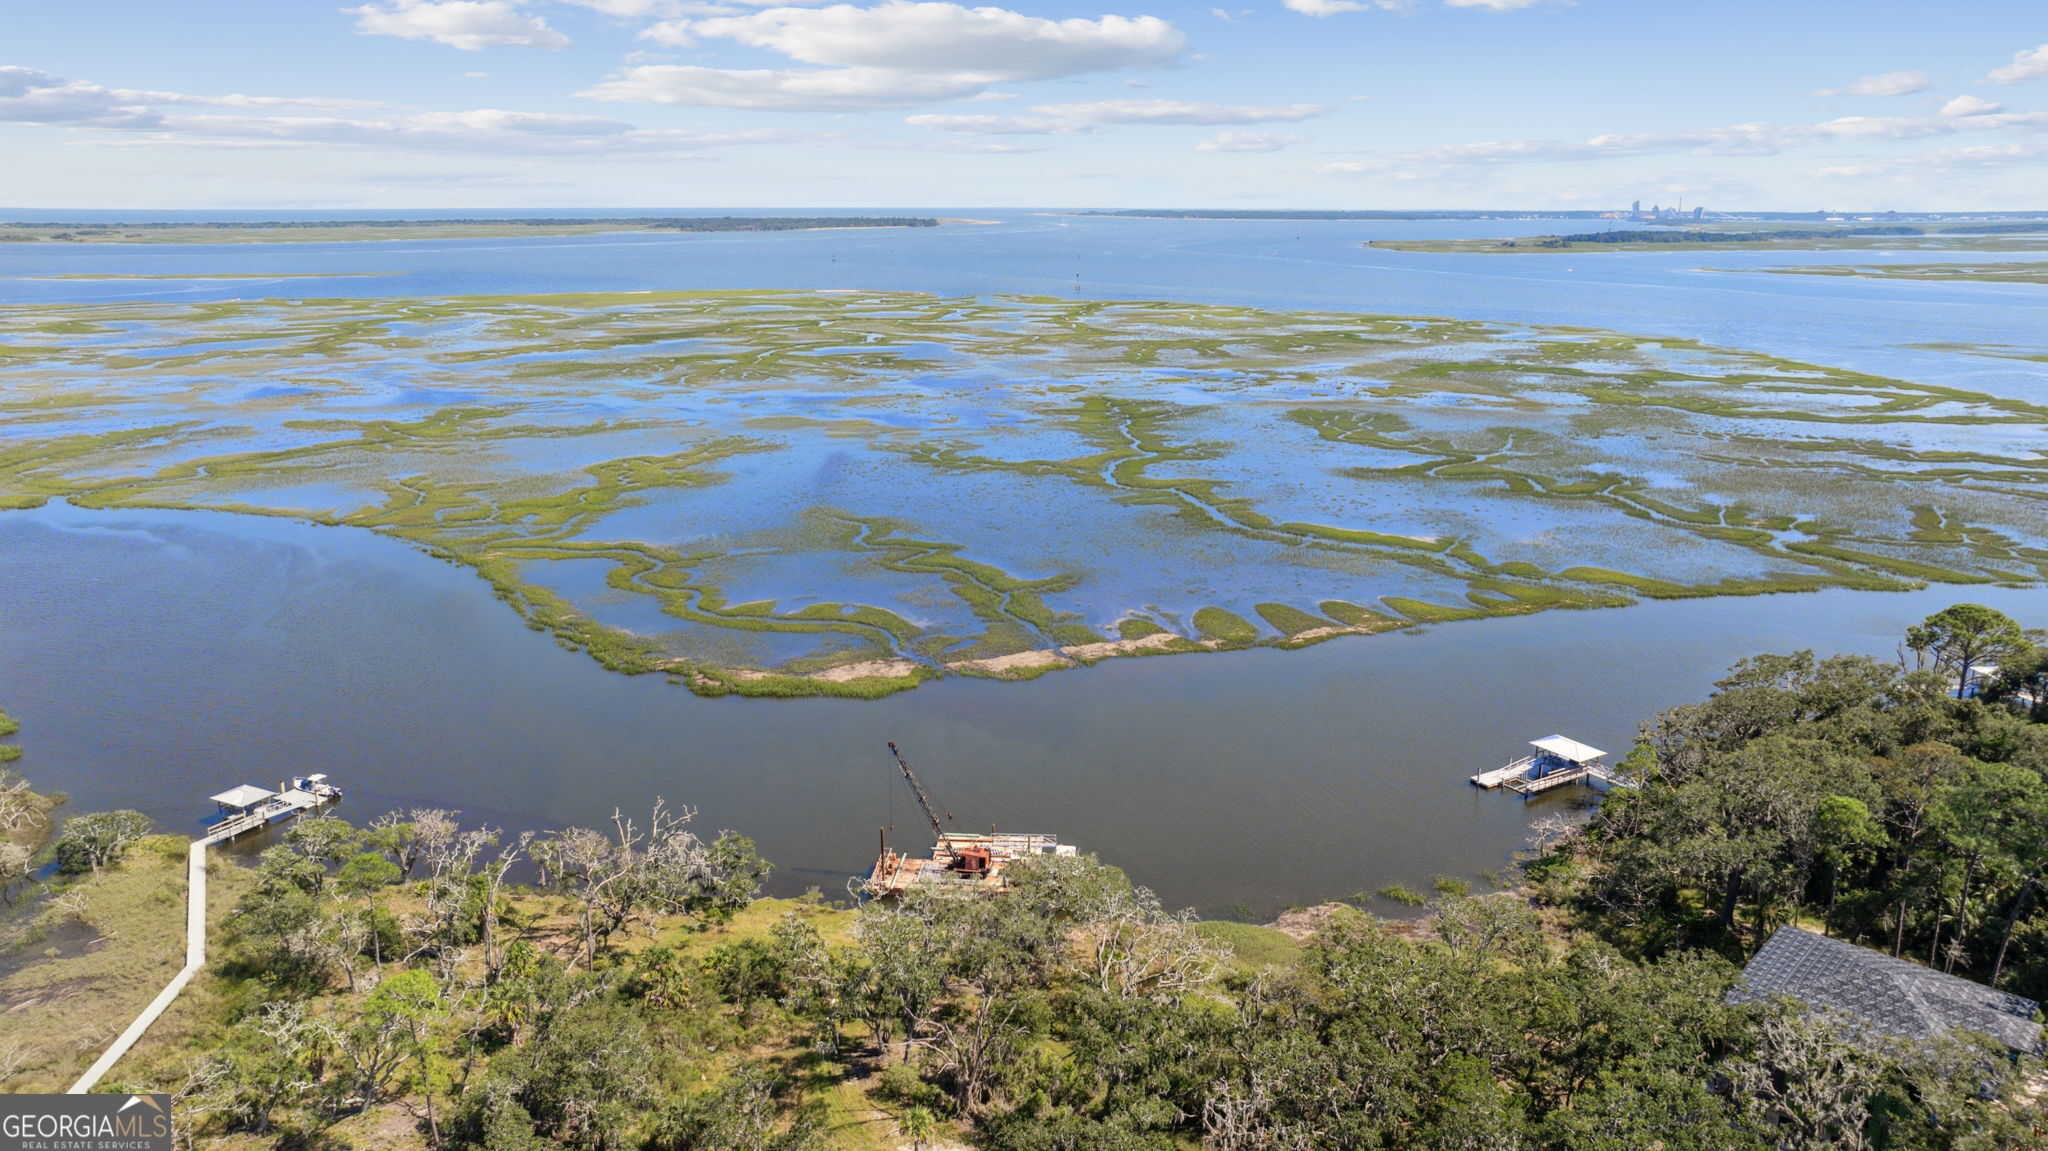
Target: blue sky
point(1281, 103)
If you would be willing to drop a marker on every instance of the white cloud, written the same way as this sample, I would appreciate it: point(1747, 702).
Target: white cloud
point(2026, 65)
point(1493, 5)
point(628, 9)
point(820, 89)
point(1050, 119)
point(943, 37)
point(897, 53)
point(1970, 106)
point(1333, 7)
point(1988, 156)
point(489, 130)
point(1245, 142)
point(1882, 127)
point(1731, 140)
point(1882, 84)
point(989, 125)
point(1177, 112)
point(469, 25)
point(28, 96)
point(674, 33)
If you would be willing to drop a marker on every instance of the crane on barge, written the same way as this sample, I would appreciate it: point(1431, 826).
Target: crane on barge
point(917, 789)
point(959, 860)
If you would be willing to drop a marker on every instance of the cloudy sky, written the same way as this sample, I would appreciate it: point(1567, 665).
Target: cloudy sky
point(1283, 103)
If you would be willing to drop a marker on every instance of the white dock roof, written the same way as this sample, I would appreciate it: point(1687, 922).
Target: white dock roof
point(242, 795)
point(1567, 749)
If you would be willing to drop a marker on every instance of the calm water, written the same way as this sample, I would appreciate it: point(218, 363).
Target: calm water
point(1283, 264)
point(157, 657)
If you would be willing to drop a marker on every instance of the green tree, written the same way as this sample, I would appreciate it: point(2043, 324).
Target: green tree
point(589, 1075)
point(755, 1110)
point(98, 840)
point(1844, 834)
point(367, 872)
point(1964, 635)
point(919, 1126)
point(392, 1029)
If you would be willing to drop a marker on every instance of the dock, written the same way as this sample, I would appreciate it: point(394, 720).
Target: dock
point(243, 808)
point(246, 807)
point(1557, 761)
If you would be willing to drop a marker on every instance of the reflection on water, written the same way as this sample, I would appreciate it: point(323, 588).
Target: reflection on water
point(158, 656)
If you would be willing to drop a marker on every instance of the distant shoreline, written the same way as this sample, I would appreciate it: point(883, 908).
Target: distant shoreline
point(332, 231)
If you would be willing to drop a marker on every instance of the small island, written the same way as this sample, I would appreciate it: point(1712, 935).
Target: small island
point(1971, 236)
point(2015, 272)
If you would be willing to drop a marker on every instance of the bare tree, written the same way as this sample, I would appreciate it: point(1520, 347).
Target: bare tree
point(1139, 949)
point(1238, 1117)
point(17, 864)
point(494, 880)
point(970, 1040)
point(622, 877)
point(1552, 831)
point(19, 807)
point(15, 1057)
point(443, 927)
point(409, 836)
point(205, 1090)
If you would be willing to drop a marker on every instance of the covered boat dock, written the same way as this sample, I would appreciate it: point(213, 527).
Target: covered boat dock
point(1557, 761)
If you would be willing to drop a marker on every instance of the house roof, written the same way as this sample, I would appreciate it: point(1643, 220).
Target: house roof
point(1565, 748)
point(1891, 996)
point(242, 795)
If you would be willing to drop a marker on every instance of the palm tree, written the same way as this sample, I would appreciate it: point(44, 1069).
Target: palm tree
point(918, 1125)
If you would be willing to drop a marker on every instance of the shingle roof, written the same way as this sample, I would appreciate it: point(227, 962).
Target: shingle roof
point(1889, 995)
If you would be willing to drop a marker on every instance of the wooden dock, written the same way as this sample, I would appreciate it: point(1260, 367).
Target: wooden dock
point(1557, 761)
point(244, 809)
point(1531, 786)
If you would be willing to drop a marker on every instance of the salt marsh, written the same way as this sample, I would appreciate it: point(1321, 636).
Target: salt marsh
point(854, 492)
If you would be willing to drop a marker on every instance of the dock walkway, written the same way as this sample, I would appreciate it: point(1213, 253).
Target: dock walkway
point(291, 802)
point(195, 958)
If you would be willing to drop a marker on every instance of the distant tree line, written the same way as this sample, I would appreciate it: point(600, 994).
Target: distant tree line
point(2003, 229)
point(1318, 214)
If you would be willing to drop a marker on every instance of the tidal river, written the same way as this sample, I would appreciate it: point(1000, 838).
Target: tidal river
point(158, 656)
